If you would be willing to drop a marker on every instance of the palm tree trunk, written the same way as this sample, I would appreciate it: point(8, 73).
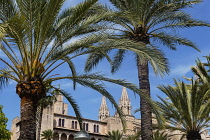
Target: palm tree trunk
point(28, 118)
point(193, 135)
point(146, 113)
point(30, 93)
point(38, 121)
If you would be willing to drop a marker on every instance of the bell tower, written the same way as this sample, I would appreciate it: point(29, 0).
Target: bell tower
point(125, 103)
point(103, 111)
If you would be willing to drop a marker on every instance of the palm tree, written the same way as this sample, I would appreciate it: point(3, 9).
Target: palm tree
point(135, 136)
point(47, 134)
point(114, 135)
point(151, 23)
point(36, 38)
point(186, 108)
point(160, 136)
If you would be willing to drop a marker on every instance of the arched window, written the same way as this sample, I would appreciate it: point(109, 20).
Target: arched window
point(56, 136)
point(63, 136)
point(94, 128)
point(97, 129)
point(75, 124)
point(87, 127)
point(83, 126)
point(59, 122)
point(72, 124)
point(63, 121)
point(71, 137)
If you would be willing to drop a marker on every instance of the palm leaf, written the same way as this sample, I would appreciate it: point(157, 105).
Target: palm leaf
point(72, 103)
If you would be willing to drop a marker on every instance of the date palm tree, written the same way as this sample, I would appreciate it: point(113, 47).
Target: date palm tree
point(135, 136)
point(38, 37)
point(160, 136)
point(47, 134)
point(152, 24)
point(186, 108)
point(114, 135)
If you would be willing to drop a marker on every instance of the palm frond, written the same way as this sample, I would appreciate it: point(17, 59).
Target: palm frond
point(118, 59)
point(47, 134)
point(201, 72)
point(96, 57)
point(2, 30)
point(72, 103)
point(153, 55)
point(72, 68)
point(120, 4)
point(4, 78)
point(114, 135)
point(7, 9)
point(160, 136)
point(171, 40)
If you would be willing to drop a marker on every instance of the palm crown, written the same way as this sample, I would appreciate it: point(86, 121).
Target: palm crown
point(186, 109)
point(35, 30)
point(153, 22)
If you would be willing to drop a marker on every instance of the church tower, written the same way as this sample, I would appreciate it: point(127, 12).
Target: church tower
point(125, 103)
point(103, 111)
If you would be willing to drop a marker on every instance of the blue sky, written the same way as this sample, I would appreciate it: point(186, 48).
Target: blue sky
point(89, 100)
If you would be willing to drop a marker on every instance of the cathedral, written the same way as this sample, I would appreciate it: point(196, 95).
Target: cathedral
point(56, 118)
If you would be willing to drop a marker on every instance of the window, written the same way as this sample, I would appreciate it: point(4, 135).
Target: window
point(63, 121)
point(96, 128)
point(137, 129)
point(87, 127)
point(59, 122)
point(83, 126)
point(74, 124)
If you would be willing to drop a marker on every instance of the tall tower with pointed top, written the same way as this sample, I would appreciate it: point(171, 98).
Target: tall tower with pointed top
point(103, 111)
point(125, 103)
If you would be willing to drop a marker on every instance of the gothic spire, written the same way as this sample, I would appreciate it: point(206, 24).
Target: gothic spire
point(103, 111)
point(125, 103)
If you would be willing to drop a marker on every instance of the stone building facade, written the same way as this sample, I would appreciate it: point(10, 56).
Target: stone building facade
point(56, 118)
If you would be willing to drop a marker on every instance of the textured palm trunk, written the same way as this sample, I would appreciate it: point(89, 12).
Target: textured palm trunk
point(146, 114)
point(193, 135)
point(38, 121)
point(144, 84)
point(30, 93)
point(28, 119)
